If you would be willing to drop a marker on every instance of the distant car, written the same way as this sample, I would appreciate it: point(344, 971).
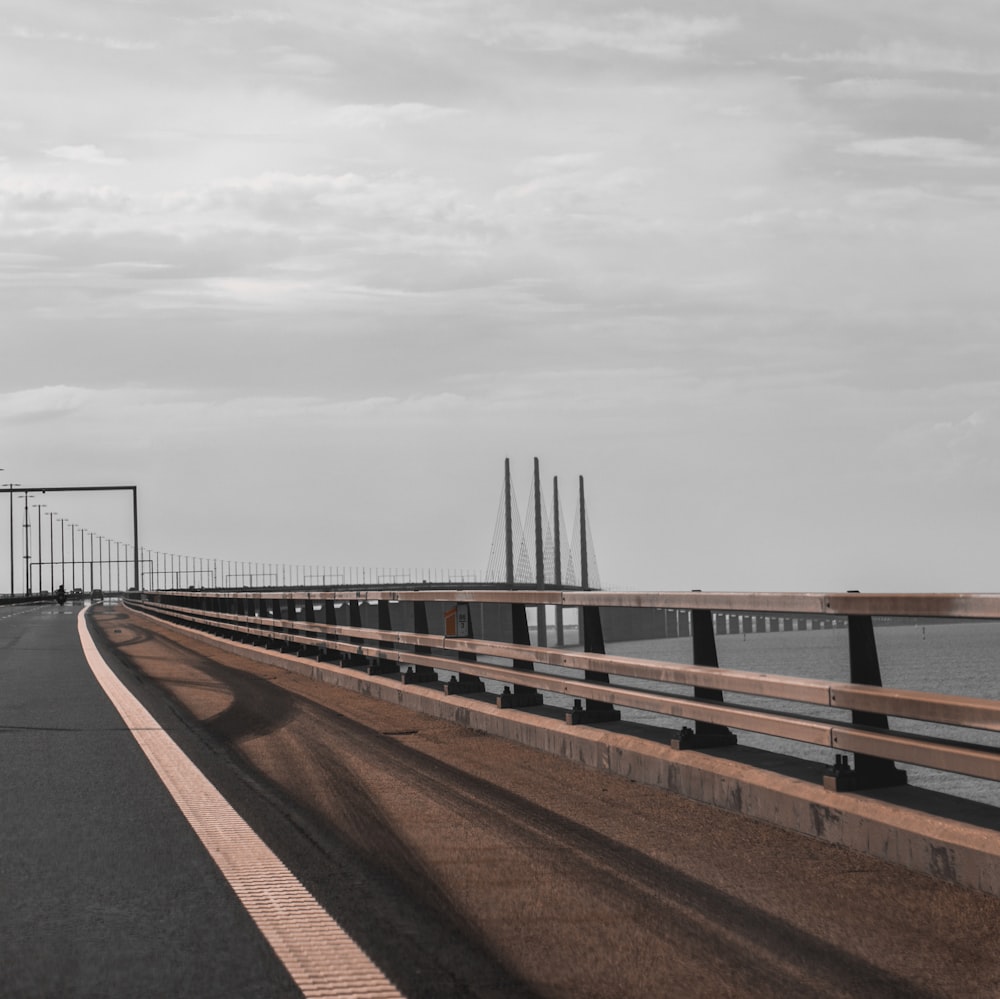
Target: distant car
point(97, 595)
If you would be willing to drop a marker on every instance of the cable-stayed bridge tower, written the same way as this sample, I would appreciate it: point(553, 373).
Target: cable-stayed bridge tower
point(530, 551)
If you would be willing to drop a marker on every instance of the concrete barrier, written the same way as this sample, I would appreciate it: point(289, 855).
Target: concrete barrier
point(902, 825)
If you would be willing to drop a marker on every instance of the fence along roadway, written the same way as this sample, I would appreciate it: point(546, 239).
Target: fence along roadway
point(584, 884)
point(283, 617)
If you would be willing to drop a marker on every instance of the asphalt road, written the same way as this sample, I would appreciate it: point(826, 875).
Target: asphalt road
point(463, 865)
point(104, 889)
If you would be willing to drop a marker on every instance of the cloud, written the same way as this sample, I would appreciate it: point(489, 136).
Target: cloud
point(108, 42)
point(928, 148)
point(41, 194)
point(638, 32)
point(285, 59)
point(49, 402)
point(901, 88)
point(381, 115)
point(84, 154)
point(910, 55)
point(254, 16)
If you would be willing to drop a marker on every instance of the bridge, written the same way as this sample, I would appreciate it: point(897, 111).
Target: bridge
point(443, 789)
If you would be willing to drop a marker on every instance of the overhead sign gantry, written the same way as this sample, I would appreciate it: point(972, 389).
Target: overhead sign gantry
point(134, 490)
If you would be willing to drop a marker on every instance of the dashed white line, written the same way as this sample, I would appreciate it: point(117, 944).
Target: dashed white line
point(322, 959)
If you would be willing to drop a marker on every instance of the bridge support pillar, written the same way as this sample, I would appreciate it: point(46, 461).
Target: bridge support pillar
point(704, 735)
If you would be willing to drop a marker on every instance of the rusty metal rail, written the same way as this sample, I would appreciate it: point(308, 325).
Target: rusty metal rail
point(328, 624)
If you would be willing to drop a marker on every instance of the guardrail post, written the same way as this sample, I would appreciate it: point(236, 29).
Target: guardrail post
point(354, 621)
point(465, 683)
point(227, 605)
point(329, 616)
point(308, 617)
point(240, 610)
point(253, 609)
point(869, 771)
point(705, 734)
point(266, 622)
point(520, 697)
point(420, 674)
point(381, 667)
point(593, 642)
point(277, 626)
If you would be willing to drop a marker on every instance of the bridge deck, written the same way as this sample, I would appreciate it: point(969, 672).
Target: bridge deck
point(465, 864)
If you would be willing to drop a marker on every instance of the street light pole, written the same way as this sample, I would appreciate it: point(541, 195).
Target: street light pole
point(62, 552)
point(38, 506)
point(27, 549)
point(72, 556)
point(52, 558)
point(11, 486)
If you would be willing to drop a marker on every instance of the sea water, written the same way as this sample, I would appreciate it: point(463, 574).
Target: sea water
point(940, 657)
point(954, 657)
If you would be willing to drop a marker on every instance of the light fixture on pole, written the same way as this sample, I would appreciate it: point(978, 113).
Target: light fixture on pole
point(11, 486)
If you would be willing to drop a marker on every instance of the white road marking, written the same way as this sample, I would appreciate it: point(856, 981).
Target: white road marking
point(322, 959)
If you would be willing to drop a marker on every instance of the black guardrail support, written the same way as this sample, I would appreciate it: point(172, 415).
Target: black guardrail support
point(520, 696)
point(704, 735)
point(420, 674)
point(466, 683)
point(383, 667)
point(593, 641)
point(868, 771)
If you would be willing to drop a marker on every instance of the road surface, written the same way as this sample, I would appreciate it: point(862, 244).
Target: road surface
point(461, 864)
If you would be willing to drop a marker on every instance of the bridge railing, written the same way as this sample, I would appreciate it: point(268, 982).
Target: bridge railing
point(329, 624)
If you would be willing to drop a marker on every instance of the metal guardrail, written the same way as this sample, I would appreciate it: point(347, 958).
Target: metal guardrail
point(329, 625)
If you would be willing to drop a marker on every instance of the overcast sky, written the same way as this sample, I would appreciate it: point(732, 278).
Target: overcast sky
point(307, 273)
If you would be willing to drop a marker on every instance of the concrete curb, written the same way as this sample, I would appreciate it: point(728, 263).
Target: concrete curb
point(946, 848)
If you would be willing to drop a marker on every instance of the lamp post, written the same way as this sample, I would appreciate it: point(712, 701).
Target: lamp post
point(38, 507)
point(52, 558)
point(11, 486)
point(72, 555)
point(27, 549)
point(62, 552)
